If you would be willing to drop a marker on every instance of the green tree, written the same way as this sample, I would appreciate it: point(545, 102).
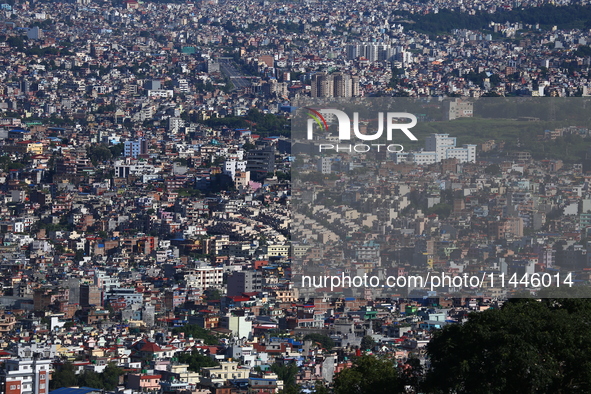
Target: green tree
point(493, 169)
point(412, 375)
point(91, 379)
point(64, 377)
point(527, 346)
point(325, 341)
point(369, 374)
point(79, 255)
point(99, 153)
point(212, 294)
point(248, 146)
point(198, 332)
point(441, 209)
point(320, 388)
point(196, 360)
point(110, 376)
point(287, 373)
point(395, 80)
point(367, 343)
point(116, 150)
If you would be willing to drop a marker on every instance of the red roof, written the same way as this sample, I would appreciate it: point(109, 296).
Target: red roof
point(150, 347)
point(238, 298)
point(145, 377)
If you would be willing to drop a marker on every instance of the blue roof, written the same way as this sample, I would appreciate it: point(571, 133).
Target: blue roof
point(81, 390)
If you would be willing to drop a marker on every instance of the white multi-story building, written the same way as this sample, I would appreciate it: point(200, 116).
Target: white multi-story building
point(205, 277)
point(125, 169)
point(465, 154)
point(439, 143)
point(175, 124)
point(25, 376)
point(438, 147)
point(161, 93)
point(324, 165)
point(232, 166)
point(183, 85)
point(444, 147)
point(422, 158)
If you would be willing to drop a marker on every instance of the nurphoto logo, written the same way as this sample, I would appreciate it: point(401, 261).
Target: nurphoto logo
point(317, 117)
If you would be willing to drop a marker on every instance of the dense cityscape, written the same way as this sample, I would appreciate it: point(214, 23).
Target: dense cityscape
point(146, 171)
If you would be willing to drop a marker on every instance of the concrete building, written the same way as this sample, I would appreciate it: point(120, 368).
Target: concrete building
point(135, 148)
point(35, 33)
point(231, 167)
point(260, 163)
point(239, 325)
point(322, 85)
point(324, 165)
point(244, 282)
point(25, 376)
point(459, 108)
point(444, 147)
point(338, 84)
point(90, 295)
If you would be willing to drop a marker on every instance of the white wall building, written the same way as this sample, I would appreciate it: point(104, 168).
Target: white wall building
point(324, 165)
point(438, 147)
point(444, 147)
point(25, 376)
point(233, 166)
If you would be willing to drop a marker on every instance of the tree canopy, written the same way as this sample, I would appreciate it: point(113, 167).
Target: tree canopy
point(527, 346)
point(198, 332)
point(287, 373)
point(325, 341)
point(196, 360)
point(369, 375)
point(66, 377)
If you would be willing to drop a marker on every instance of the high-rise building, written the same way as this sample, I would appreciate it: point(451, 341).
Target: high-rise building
point(355, 86)
point(244, 282)
point(175, 124)
point(354, 51)
point(338, 84)
point(35, 33)
point(90, 295)
point(370, 51)
point(260, 163)
point(25, 86)
point(213, 66)
point(135, 148)
point(153, 85)
point(322, 85)
point(342, 85)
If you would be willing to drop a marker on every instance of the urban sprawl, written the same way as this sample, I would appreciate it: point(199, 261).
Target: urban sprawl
point(146, 239)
